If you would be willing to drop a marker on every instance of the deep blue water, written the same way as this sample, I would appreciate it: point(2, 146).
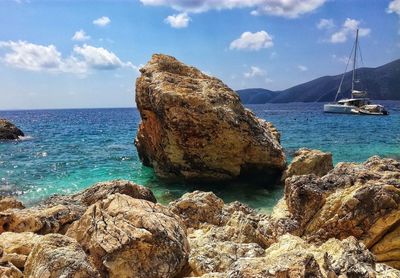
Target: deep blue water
point(68, 150)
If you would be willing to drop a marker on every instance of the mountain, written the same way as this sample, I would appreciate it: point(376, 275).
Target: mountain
point(382, 83)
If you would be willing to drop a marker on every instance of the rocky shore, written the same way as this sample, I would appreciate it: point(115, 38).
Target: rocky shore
point(342, 224)
point(341, 221)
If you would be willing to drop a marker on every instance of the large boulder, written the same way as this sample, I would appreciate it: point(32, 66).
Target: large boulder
point(306, 161)
point(9, 131)
point(56, 256)
point(195, 127)
point(127, 237)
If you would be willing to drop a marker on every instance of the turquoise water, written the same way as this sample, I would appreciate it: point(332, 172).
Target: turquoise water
point(68, 150)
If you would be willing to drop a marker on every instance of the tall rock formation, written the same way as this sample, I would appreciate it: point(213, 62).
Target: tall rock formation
point(194, 126)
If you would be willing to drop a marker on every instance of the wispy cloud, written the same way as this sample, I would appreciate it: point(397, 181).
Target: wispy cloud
point(348, 28)
point(252, 41)
point(102, 21)
point(302, 68)
point(253, 72)
point(178, 20)
point(80, 36)
point(35, 57)
point(325, 23)
point(394, 7)
point(283, 8)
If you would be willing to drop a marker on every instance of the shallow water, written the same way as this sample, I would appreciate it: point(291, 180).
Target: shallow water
point(68, 150)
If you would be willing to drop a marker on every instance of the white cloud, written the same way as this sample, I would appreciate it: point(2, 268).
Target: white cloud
point(254, 71)
point(302, 68)
point(349, 28)
point(342, 59)
point(35, 57)
point(252, 41)
point(284, 8)
point(325, 23)
point(394, 7)
point(80, 36)
point(102, 21)
point(178, 20)
point(99, 58)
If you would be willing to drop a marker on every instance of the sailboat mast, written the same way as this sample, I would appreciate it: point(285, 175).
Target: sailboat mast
point(354, 63)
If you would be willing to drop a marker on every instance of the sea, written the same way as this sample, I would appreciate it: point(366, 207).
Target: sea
point(65, 151)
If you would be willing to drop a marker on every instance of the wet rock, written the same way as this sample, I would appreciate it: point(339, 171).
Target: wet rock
point(9, 203)
point(56, 256)
point(128, 237)
point(9, 131)
point(308, 161)
point(195, 127)
point(16, 247)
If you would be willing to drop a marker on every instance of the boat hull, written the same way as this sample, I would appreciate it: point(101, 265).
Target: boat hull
point(339, 109)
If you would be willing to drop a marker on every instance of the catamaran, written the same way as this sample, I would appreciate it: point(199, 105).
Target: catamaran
point(359, 103)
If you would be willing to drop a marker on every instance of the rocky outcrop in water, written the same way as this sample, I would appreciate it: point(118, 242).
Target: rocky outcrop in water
point(306, 161)
point(9, 131)
point(342, 224)
point(194, 127)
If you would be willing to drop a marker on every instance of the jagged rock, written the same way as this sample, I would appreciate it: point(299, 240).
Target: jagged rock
point(9, 131)
point(102, 190)
point(213, 251)
point(55, 214)
point(195, 127)
point(56, 256)
point(293, 257)
point(40, 219)
point(308, 161)
point(128, 237)
point(9, 202)
point(384, 271)
point(196, 208)
point(16, 247)
point(8, 270)
point(360, 200)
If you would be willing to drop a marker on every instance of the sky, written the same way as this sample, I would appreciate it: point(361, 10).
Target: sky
point(87, 54)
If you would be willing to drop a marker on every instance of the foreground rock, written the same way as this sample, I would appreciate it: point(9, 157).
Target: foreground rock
point(128, 237)
point(56, 256)
point(9, 131)
point(195, 127)
point(58, 212)
point(308, 161)
point(16, 247)
point(360, 200)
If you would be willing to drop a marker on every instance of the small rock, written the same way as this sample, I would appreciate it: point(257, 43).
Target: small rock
point(9, 131)
point(8, 270)
point(9, 202)
point(308, 161)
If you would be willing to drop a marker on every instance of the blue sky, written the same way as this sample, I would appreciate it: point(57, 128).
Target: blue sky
point(69, 54)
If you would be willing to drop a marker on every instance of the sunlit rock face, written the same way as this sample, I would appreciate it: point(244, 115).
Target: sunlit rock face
point(195, 127)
